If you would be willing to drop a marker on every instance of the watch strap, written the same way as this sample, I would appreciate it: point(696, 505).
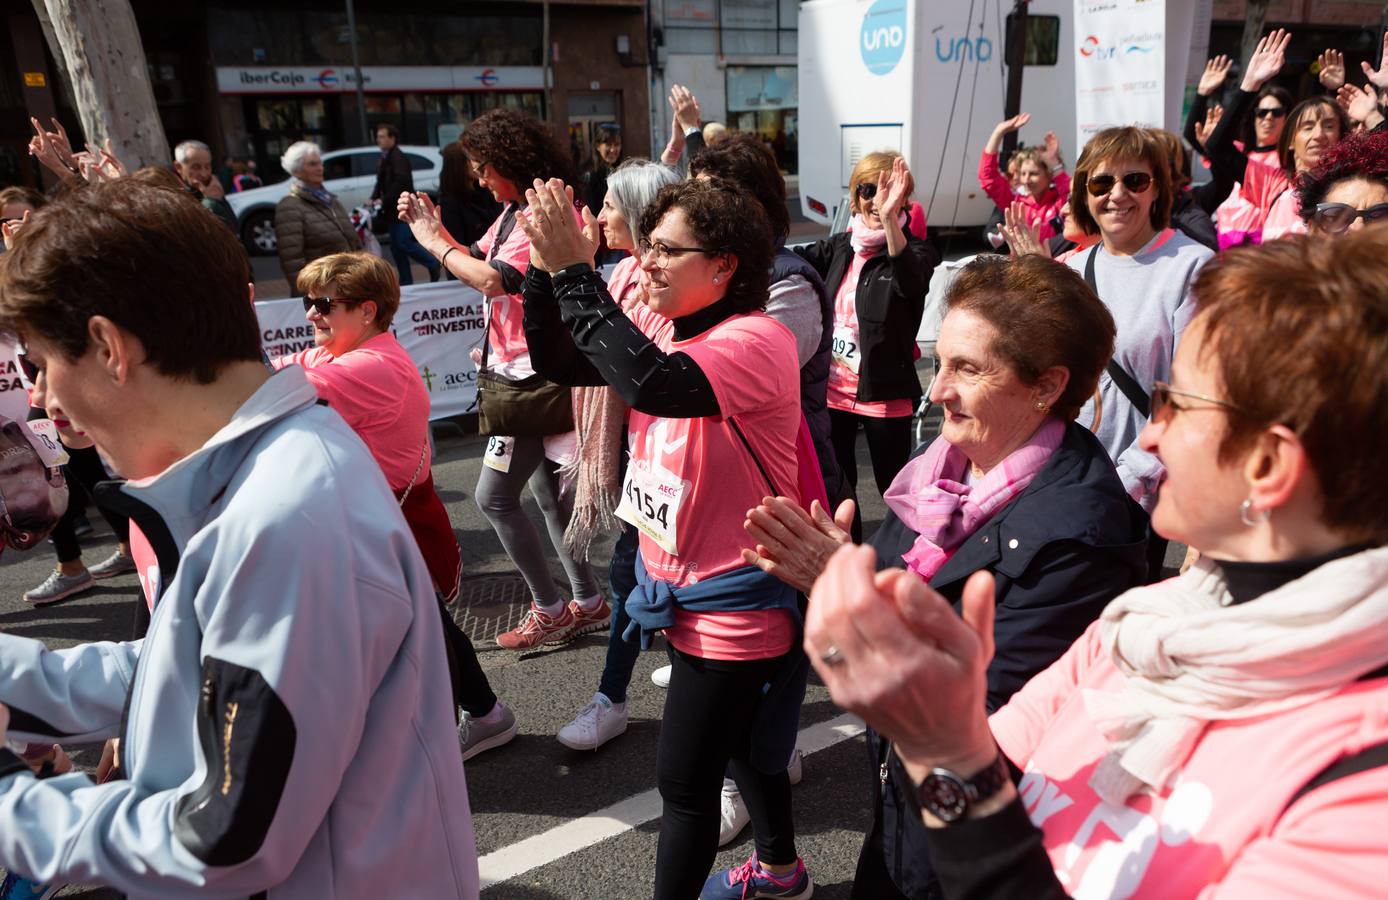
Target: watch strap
point(976, 788)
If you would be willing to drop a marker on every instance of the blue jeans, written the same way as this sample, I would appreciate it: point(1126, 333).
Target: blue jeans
point(403, 246)
point(621, 655)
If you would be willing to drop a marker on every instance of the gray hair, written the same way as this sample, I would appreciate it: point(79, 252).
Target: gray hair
point(294, 157)
point(186, 148)
point(633, 186)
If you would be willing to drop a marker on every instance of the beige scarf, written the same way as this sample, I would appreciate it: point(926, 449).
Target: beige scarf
point(1192, 658)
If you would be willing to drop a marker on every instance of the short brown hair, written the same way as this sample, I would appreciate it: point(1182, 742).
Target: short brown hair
point(1299, 331)
point(1175, 152)
point(151, 260)
point(725, 219)
point(746, 161)
point(1044, 315)
point(868, 168)
point(1112, 144)
point(160, 177)
point(360, 276)
point(28, 196)
point(1286, 150)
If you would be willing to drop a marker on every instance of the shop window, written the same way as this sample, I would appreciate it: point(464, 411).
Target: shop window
point(1043, 40)
point(763, 100)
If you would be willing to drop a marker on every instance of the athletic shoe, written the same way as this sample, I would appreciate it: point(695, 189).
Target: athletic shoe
point(536, 628)
point(732, 813)
point(476, 735)
point(117, 563)
point(750, 880)
point(588, 621)
point(599, 722)
point(58, 586)
point(661, 676)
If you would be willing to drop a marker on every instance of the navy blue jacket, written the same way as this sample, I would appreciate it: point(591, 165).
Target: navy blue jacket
point(1060, 552)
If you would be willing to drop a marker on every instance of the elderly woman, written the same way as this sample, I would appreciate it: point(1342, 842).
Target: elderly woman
point(509, 149)
point(309, 221)
point(1220, 734)
point(1012, 486)
point(360, 369)
point(713, 384)
point(1348, 190)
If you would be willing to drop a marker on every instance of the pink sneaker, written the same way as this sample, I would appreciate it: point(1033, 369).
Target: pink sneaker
point(536, 628)
point(588, 621)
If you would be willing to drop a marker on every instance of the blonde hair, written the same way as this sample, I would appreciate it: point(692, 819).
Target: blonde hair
point(867, 170)
point(356, 276)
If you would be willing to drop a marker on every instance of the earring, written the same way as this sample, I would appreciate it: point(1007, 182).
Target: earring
point(1258, 517)
point(715, 279)
point(1043, 407)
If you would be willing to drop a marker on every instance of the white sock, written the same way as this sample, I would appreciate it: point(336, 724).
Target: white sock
point(589, 604)
point(553, 609)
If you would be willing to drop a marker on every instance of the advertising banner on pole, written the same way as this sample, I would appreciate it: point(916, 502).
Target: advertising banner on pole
point(1121, 65)
point(437, 324)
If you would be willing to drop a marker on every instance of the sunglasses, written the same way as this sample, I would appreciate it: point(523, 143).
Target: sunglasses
point(31, 371)
point(1135, 182)
point(1163, 407)
point(1336, 218)
point(867, 190)
point(324, 305)
point(1270, 112)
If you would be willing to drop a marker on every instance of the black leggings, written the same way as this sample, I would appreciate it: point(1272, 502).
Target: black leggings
point(709, 712)
point(84, 472)
point(889, 446)
point(471, 690)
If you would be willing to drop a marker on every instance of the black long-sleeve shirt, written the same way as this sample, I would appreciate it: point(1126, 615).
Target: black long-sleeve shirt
point(578, 335)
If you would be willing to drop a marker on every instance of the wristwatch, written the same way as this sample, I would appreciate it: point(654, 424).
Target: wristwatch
point(948, 797)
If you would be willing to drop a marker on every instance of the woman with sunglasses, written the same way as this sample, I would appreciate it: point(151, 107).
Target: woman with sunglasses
point(1217, 735)
point(508, 150)
point(878, 273)
point(1348, 191)
point(360, 369)
point(714, 386)
point(1142, 269)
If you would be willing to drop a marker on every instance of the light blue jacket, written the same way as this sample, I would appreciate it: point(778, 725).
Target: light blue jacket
point(287, 721)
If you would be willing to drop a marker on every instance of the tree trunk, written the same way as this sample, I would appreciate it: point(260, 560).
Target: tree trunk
point(1254, 15)
point(100, 47)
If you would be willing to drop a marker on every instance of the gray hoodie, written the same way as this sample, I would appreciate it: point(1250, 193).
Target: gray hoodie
point(287, 721)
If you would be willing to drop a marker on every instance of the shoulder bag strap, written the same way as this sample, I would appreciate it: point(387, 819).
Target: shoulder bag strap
point(1126, 383)
point(1372, 757)
point(764, 474)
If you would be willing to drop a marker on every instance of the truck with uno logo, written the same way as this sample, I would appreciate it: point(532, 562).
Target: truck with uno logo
point(929, 79)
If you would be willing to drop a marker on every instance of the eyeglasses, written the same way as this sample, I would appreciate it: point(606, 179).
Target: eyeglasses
point(663, 252)
point(1163, 407)
point(1270, 112)
point(480, 169)
point(867, 190)
point(324, 305)
point(1336, 218)
point(31, 371)
point(1135, 182)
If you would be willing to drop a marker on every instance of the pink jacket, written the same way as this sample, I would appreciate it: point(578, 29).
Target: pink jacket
point(1221, 830)
point(999, 190)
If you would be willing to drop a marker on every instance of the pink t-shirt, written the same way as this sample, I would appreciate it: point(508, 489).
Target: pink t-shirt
point(847, 350)
point(508, 354)
point(751, 363)
point(1219, 830)
point(378, 391)
point(625, 281)
point(1239, 220)
point(1284, 217)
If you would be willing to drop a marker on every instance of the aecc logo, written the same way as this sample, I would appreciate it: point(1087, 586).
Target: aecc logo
point(882, 40)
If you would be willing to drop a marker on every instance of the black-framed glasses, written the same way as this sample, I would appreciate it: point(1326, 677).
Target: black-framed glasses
point(1270, 112)
point(480, 169)
point(664, 251)
point(867, 190)
point(1163, 407)
point(1135, 182)
point(324, 305)
point(1336, 218)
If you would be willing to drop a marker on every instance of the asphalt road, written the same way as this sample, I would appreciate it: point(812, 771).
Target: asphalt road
point(550, 822)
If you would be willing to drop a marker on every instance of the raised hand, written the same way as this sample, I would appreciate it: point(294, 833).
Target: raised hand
point(555, 237)
point(11, 229)
point(1050, 151)
point(892, 190)
point(686, 107)
point(1360, 104)
point(1023, 239)
point(52, 152)
point(1332, 69)
point(1013, 124)
point(1216, 71)
point(424, 219)
point(1267, 60)
point(1379, 77)
point(1204, 129)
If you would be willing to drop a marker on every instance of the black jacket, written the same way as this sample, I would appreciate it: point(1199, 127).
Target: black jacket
point(890, 300)
point(1060, 552)
point(393, 178)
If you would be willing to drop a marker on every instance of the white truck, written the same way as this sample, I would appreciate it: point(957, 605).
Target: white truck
point(928, 79)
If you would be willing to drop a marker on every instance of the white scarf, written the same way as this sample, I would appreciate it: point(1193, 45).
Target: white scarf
point(1192, 658)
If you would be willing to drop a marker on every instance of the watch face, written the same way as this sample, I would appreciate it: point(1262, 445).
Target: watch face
point(944, 795)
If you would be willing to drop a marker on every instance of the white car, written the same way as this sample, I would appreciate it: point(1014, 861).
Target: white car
point(350, 173)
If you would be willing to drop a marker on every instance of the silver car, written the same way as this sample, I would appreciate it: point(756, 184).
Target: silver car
point(350, 173)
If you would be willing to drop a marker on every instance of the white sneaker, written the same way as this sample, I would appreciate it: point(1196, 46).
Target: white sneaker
point(796, 769)
point(661, 677)
point(732, 814)
point(599, 722)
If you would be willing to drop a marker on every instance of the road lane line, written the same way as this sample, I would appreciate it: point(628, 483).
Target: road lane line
point(579, 834)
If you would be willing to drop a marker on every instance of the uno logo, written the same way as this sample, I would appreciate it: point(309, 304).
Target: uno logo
point(327, 79)
point(882, 41)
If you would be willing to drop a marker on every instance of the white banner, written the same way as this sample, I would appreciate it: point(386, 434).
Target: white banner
point(437, 324)
point(1120, 65)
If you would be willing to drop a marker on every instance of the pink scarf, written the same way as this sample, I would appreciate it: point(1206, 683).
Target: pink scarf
point(930, 499)
point(865, 240)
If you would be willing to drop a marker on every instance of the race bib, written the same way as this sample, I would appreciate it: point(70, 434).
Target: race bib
point(652, 504)
point(50, 448)
point(498, 455)
point(845, 348)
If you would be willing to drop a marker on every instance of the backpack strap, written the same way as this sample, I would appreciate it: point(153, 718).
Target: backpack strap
point(1125, 382)
point(1374, 756)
